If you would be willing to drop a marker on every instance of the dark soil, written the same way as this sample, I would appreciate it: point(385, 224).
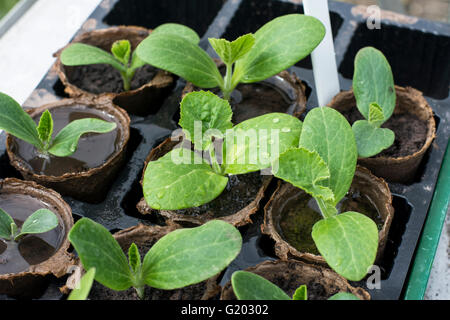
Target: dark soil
point(410, 133)
point(101, 78)
point(240, 192)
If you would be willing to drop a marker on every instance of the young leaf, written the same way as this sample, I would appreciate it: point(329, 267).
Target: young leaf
point(98, 249)
point(181, 179)
point(348, 242)
point(189, 256)
point(328, 133)
point(66, 142)
point(376, 116)
point(121, 50)
point(175, 54)
point(41, 221)
point(230, 52)
point(250, 286)
point(254, 144)
point(80, 54)
point(84, 286)
point(279, 44)
point(371, 140)
point(373, 82)
point(343, 296)
point(209, 112)
point(5, 225)
point(45, 127)
point(134, 258)
point(15, 121)
point(305, 169)
point(179, 30)
point(301, 293)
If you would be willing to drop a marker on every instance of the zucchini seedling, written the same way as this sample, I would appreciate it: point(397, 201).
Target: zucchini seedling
point(250, 286)
point(184, 179)
point(373, 87)
point(276, 46)
point(323, 165)
point(179, 259)
point(40, 221)
point(15, 121)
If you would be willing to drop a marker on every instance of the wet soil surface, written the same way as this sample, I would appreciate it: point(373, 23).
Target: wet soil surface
point(101, 78)
point(410, 133)
point(93, 150)
point(31, 249)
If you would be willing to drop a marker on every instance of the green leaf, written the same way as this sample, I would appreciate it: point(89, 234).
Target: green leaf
point(179, 30)
point(328, 133)
point(84, 286)
point(348, 242)
point(136, 62)
point(41, 221)
point(279, 44)
point(134, 258)
point(80, 54)
point(250, 286)
point(376, 116)
point(305, 169)
point(230, 52)
point(256, 143)
point(182, 57)
point(98, 249)
point(371, 140)
point(301, 293)
point(5, 225)
point(343, 296)
point(45, 127)
point(181, 179)
point(121, 50)
point(15, 121)
point(189, 256)
point(66, 142)
point(373, 82)
point(209, 112)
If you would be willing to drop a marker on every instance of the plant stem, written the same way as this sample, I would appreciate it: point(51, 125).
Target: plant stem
point(228, 87)
point(127, 76)
point(212, 155)
point(140, 291)
point(326, 210)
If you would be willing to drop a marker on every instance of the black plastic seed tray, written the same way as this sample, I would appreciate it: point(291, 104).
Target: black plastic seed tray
point(417, 50)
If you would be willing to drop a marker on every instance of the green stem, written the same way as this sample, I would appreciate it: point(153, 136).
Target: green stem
point(140, 290)
point(326, 210)
point(215, 164)
point(228, 86)
point(127, 76)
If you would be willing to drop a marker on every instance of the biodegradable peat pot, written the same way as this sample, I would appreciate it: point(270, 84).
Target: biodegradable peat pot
point(292, 232)
point(86, 175)
point(321, 282)
point(235, 205)
point(145, 237)
point(148, 88)
point(40, 255)
point(283, 93)
point(414, 127)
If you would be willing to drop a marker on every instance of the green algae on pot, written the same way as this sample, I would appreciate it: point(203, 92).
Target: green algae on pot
point(174, 259)
point(322, 283)
point(148, 85)
point(291, 214)
point(276, 46)
point(284, 92)
point(183, 179)
point(87, 173)
point(39, 255)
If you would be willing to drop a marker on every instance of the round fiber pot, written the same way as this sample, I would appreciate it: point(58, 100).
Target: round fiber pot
point(291, 213)
point(234, 205)
point(86, 175)
point(321, 282)
point(148, 87)
point(414, 127)
point(283, 93)
point(26, 264)
point(145, 237)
